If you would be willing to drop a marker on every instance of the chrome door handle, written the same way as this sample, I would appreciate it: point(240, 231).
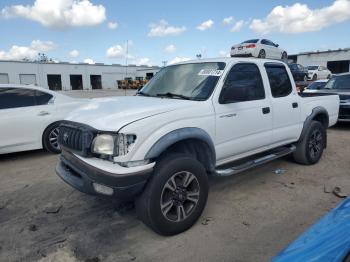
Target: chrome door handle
point(43, 113)
point(228, 115)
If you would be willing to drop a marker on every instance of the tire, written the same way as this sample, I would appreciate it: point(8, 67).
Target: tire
point(305, 78)
point(179, 211)
point(262, 54)
point(314, 77)
point(50, 138)
point(310, 149)
point(284, 56)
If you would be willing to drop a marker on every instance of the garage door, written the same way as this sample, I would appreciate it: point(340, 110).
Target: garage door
point(4, 78)
point(27, 79)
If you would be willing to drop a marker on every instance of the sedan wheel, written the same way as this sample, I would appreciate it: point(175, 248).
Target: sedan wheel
point(50, 138)
point(262, 54)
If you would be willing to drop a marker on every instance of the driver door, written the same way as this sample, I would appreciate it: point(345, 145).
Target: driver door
point(243, 113)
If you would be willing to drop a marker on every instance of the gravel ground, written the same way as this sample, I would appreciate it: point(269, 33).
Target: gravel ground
point(249, 217)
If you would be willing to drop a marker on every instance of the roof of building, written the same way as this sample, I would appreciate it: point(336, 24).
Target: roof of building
point(69, 63)
point(323, 51)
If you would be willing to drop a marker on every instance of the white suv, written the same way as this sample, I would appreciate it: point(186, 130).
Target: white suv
point(261, 48)
point(316, 72)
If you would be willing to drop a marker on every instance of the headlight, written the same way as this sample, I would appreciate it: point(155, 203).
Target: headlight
point(103, 144)
point(113, 145)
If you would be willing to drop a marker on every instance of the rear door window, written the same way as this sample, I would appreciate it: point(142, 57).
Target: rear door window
point(16, 98)
point(280, 83)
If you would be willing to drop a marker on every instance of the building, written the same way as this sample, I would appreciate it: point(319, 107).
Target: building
point(69, 76)
point(337, 61)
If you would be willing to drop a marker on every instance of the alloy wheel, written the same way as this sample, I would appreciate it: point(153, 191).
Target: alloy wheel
point(315, 143)
point(180, 196)
point(53, 138)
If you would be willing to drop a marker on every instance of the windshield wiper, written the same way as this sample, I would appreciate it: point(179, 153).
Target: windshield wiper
point(171, 95)
point(142, 93)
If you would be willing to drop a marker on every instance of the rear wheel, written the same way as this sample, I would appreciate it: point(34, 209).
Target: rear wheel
point(50, 138)
point(175, 197)
point(310, 149)
point(262, 54)
point(284, 56)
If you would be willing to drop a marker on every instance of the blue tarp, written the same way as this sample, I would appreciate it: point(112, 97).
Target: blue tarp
point(326, 241)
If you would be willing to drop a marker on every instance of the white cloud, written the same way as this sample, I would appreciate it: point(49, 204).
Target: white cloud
point(228, 20)
point(170, 49)
point(141, 61)
point(89, 61)
point(59, 13)
point(178, 59)
point(112, 25)
point(205, 25)
point(116, 51)
point(29, 52)
point(237, 26)
point(164, 29)
point(74, 53)
point(299, 18)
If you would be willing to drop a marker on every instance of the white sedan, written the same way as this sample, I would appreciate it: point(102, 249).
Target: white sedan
point(261, 48)
point(30, 117)
point(316, 72)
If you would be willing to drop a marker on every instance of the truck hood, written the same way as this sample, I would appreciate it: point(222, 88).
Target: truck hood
point(111, 114)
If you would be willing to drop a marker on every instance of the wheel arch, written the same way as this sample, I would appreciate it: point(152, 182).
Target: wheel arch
point(318, 114)
point(190, 140)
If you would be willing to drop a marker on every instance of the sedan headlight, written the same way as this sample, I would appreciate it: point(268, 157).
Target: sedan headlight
point(113, 145)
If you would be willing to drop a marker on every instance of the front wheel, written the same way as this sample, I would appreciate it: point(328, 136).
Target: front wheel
point(175, 197)
point(314, 77)
point(305, 78)
point(284, 56)
point(310, 149)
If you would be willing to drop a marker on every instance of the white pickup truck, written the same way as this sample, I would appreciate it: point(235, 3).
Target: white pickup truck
point(194, 119)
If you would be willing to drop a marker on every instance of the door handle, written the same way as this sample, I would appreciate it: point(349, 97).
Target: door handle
point(295, 105)
point(266, 110)
point(43, 113)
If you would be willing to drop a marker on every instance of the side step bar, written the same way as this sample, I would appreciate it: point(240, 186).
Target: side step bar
point(283, 151)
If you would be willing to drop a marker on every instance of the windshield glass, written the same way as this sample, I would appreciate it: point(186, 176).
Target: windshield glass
point(186, 81)
point(252, 41)
point(316, 85)
point(312, 67)
point(339, 82)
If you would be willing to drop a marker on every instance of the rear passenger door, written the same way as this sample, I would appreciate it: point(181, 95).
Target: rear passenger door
point(243, 118)
point(285, 104)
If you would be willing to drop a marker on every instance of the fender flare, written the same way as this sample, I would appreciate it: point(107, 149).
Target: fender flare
point(316, 111)
point(179, 135)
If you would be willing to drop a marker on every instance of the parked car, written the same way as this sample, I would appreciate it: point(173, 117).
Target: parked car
point(261, 48)
point(316, 72)
point(340, 84)
point(299, 72)
point(193, 119)
point(328, 240)
point(315, 86)
point(30, 117)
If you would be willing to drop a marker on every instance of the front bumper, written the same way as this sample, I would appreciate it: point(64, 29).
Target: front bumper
point(82, 176)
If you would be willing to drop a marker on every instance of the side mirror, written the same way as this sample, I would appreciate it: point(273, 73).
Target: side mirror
point(277, 45)
point(319, 69)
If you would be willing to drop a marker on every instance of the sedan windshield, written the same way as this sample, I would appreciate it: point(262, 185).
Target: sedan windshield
point(195, 81)
point(312, 67)
point(339, 82)
point(316, 85)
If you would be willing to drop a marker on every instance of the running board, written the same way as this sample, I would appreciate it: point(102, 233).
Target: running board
point(280, 152)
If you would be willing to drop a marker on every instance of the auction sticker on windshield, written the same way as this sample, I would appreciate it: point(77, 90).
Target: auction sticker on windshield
point(210, 72)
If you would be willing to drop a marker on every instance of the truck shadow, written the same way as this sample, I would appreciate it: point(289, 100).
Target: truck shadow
point(342, 126)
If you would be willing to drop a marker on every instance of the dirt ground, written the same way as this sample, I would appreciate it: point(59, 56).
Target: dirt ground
point(249, 217)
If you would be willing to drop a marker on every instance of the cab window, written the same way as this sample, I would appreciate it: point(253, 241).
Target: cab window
point(243, 83)
point(280, 83)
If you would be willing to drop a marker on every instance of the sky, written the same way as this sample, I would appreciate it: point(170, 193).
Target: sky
point(156, 31)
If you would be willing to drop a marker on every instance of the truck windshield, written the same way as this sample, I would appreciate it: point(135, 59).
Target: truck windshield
point(193, 81)
point(339, 82)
